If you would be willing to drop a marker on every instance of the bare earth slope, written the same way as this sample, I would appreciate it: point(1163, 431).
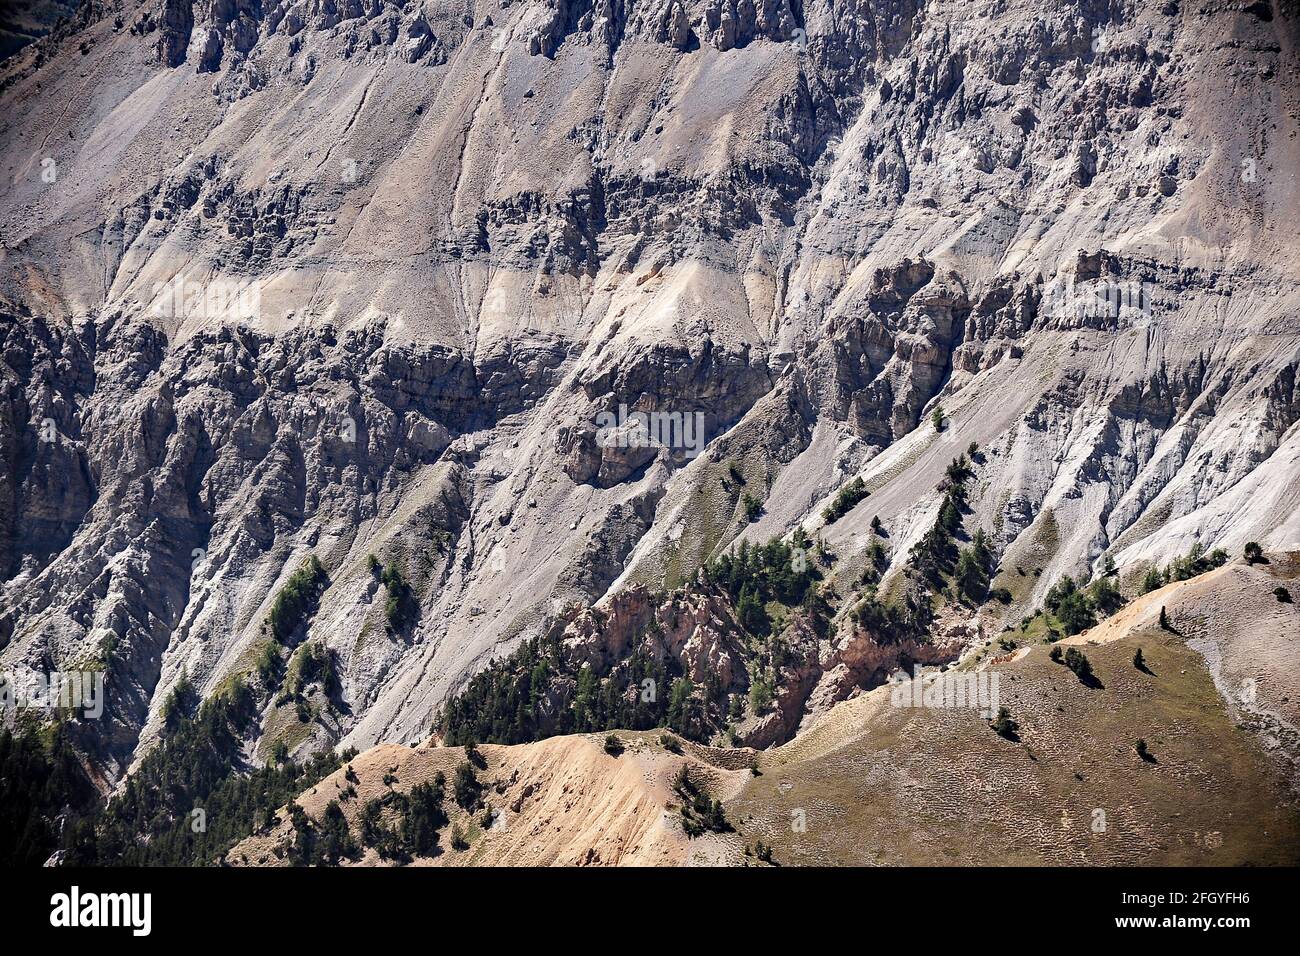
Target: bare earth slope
point(876, 784)
point(884, 785)
point(353, 278)
point(558, 802)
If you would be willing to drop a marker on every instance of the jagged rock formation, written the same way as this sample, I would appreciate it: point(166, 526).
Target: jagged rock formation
point(881, 781)
point(354, 278)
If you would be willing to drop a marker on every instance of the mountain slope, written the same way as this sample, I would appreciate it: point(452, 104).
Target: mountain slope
point(875, 783)
point(559, 802)
point(927, 786)
point(358, 278)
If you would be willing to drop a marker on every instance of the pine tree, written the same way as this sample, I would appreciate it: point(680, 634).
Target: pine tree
point(971, 578)
point(1004, 726)
point(751, 614)
point(465, 786)
point(1105, 596)
point(584, 700)
point(681, 709)
point(1078, 662)
point(1153, 580)
point(458, 841)
point(303, 850)
point(1075, 613)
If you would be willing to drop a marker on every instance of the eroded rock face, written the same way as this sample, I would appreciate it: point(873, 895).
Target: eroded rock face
point(198, 463)
point(404, 31)
point(857, 659)
point(696, 629)
point(471, 234)
point(174, 28)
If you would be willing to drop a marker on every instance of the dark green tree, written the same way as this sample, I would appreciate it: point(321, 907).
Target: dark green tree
point(466, 787)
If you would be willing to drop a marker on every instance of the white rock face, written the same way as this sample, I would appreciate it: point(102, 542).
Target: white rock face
point(354, 278)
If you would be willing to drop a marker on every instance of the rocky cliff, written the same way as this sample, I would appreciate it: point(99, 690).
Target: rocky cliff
point(415, 280)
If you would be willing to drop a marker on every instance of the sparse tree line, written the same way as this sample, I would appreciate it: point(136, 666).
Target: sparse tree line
point(537, 691)
point(937, 567)
point(47, 803)
point(942, 565)
point(193, 796)
point(1076, 608)
point(401, 609)
point(845, 500)
point(398, 826)
point(284, 667)
point(1195, 561)
point(1071, 607)
point(699, 813)
point(189, 801)
point(297, 600)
